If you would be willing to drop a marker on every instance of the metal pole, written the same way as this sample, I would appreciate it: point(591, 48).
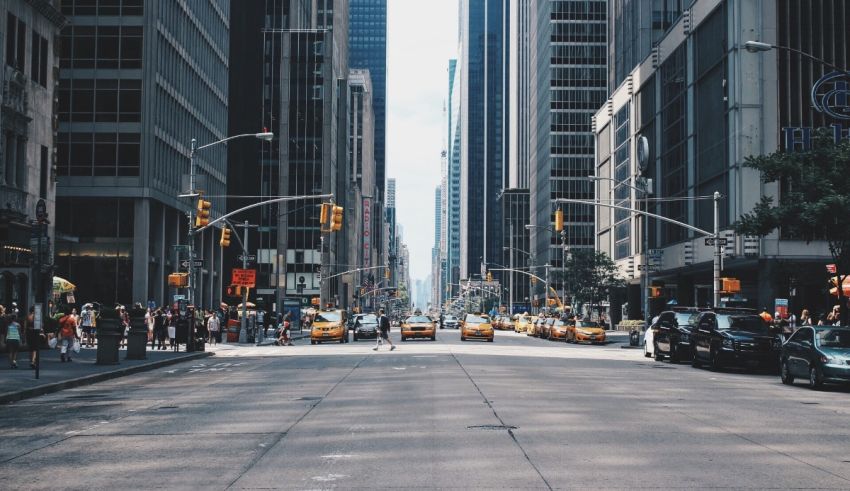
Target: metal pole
point(191, 234)
point(546, 287)
point(645, 276)
point(564, 270)
point(716, 249)
point(511, 253)
point(322, 273)
point(243, 330)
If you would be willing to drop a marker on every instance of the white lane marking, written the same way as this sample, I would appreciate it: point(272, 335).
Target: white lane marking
point(329, 477)
point(337, 456)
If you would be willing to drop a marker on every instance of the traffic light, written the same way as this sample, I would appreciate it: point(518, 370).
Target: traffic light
point(336, 218)
point(202, 214)
point(225, 237)
point(655, 292)
point(489, 276)
point(325, 216)
point(233, 291)
point(559, 220)
point(387, 273)
point(178, 280)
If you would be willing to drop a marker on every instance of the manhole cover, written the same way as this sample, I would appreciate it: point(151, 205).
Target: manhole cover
point(310, 398)
point(491, 427)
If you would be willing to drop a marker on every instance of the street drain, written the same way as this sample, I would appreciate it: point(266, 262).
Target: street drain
point(491, 427)
point(310, 398)
point(168, 407)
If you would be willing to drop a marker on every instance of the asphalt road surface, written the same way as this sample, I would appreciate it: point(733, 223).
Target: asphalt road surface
point(519, 413)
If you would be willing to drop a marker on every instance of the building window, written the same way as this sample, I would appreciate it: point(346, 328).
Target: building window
point(16, 42)
point(38, 61)
point(99, 154)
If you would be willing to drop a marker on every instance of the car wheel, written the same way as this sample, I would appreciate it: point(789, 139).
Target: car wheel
point(674, 354)
point(312, 342)
point(815, 378)
point(462, 338)
point(656, 353)
point(403, 339)
point(785, 374)
point(490, 340)
point(355, 338)
point(434, 337)
point(694, 360)
point(646, 352)
point(343, 340)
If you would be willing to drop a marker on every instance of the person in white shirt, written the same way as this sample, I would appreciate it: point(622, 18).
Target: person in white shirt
point(214, 327)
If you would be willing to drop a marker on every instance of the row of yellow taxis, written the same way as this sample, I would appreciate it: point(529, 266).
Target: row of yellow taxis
point(330, 326)
point(553, 328)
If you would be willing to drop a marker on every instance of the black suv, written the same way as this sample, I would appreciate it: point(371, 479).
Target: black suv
point(737, 338)
point(672, 334)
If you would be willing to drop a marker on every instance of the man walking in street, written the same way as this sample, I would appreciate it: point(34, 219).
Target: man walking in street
point(384, 328)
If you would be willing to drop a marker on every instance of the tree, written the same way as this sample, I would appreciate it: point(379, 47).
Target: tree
point(814, 202)
point(591, 275)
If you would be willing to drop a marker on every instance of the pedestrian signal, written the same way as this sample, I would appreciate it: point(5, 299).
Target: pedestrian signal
point(655, 292)
point(559, 220)
point(225, 237)
point(233, 291)
point(202, 215)
point(336, 218)
point(730, 285)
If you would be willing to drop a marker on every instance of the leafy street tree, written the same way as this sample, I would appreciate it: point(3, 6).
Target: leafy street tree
point(591, 276)
point(814, 202)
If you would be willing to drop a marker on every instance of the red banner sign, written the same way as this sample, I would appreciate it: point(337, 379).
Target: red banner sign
point(244, 277)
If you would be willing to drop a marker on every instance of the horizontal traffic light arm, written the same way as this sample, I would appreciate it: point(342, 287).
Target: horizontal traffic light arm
point(281, 199)
point(523, 272)
point(635, 210)
point(351, 271)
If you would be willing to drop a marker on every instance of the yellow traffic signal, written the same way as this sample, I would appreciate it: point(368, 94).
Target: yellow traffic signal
point(178, 280)
point(336, 218)
point(730, 285)
point(387, 273)
point(489, 276)
point(655, 292)
point(559, 220)
point(225, 237)
point(325, 215)
point(202, 214)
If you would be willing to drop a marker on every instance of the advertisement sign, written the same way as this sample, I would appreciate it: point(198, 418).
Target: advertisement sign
point(830, 96)
point(830, 268)
point(244, 277)
point(781, 305)
point(37, 317)
point(367, 232)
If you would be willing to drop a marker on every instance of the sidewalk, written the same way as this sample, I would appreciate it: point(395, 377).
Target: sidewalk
point(55, 375)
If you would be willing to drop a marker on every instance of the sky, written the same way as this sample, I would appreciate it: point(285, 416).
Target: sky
point(420, 42)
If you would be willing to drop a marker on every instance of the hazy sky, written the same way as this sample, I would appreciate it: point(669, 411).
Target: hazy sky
point(421, 37)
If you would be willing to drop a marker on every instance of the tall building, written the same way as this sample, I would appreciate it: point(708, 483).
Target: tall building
point(295, 72)
point(569, 79)
point(27, 147)
point(483, 117)
point(453, 197)
point(138, 82)
point(705, 105)
point(436, 258)
point(368, 49)
point(392, 233)
point(518, 93)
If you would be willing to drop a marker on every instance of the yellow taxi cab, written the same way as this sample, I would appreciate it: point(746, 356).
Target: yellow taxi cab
point(476, 326)
point(521, 323)
point(418, 326)
point(536, 328)
point(529, 328)
point(585, 331)
point(329, 325)
point(557, 330)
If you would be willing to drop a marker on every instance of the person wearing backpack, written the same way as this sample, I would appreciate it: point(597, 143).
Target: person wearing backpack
point(384, 331)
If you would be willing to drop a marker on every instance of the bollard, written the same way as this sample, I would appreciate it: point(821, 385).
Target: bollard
point(137, 338)
point(109, 334)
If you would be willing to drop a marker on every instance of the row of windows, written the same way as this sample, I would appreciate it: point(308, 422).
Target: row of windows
point(16, 48)
point(578, 33)
point(102, 7)
point(98, 154)
point(101, 100)
point(102, 47)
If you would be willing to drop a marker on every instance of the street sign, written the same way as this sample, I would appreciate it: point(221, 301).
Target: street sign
point(248, 257)
point(710, 241)
point(199, 263)
point(244, 277)
point(265, 291)
point(651, 267)
point(177, 298)
point(656, 252)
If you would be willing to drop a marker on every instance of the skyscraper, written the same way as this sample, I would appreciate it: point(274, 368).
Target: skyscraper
point(569, 79)
point(368, 49)
point(131, 102)
point(483, 144)
point(453, 152)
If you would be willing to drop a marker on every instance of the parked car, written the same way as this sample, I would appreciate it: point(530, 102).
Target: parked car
point(532, 323)
point(476, 326)
point(671, 334)
point(557, 330)
point(521, 323)
point(819, 353)
point(365, 326)
point(649, 343)
point(732, 338)
point(585, 331)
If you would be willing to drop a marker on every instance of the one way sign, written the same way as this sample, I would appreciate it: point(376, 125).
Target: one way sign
point(199, 263)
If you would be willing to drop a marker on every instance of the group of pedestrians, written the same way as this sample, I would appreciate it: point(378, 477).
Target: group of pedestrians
point(789, 323)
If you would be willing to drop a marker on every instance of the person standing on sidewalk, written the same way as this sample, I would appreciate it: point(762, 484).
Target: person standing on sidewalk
point(34, 338)
point(384, 331)
point(87, 323)
point(67, 336)
point(13, 340)
point(214, 328)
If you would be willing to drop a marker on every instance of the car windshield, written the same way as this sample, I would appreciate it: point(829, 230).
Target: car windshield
point(367, 319)
point(684, 318)
point(586, 324)
point(450, 318)
point(833, 338)
point(418, 319)
point(476, 319)
point(749, 323)
point(328, 317)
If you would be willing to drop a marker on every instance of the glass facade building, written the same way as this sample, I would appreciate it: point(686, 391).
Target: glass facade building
point(368, 49)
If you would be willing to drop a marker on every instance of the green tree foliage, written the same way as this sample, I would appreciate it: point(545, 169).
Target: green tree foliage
point(814, 203)
point(591, 276)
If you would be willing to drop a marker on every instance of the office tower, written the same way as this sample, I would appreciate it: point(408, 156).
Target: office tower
point(368, 49)
point(392, 232)
point(483, 115)
point(138, 82)
point(453, 152)
point(27, 145)
point(436, 260)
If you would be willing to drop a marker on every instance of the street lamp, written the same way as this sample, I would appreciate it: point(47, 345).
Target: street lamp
point(758, 46)
point(265, 136)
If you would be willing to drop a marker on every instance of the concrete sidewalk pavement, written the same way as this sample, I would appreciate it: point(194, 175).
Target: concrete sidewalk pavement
point(20, 383)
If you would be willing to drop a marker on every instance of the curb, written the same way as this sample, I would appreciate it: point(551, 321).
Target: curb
point(97, 377)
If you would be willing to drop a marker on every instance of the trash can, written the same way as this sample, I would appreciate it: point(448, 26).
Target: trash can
point(109, 334)
point(232, 334)
point(137, 338)
point(634, 337)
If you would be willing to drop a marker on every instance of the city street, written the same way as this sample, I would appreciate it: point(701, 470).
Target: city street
point(517, 413)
